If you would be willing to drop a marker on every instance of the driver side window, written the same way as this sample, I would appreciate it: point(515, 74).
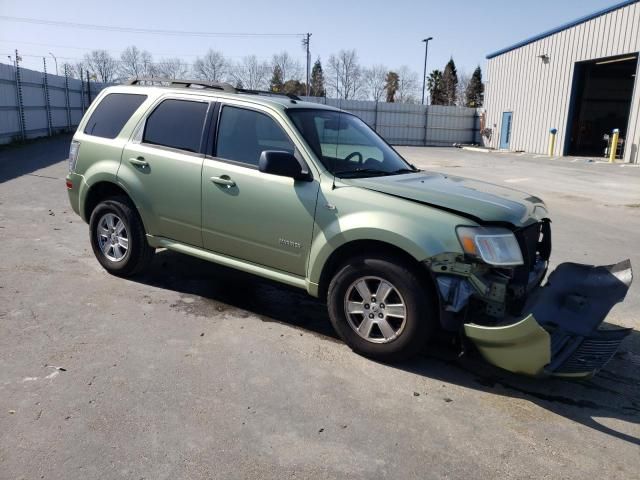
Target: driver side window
point(347, 142)
point(244, 134)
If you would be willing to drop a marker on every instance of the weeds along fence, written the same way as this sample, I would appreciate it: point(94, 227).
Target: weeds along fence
point(407, 124)
point(36, 104)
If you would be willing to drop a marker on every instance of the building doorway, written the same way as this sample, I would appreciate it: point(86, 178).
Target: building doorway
point(600, 102)
point(505, 130)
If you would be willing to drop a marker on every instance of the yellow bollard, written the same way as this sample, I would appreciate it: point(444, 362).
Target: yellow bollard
point(552, 141)
point(613, 146)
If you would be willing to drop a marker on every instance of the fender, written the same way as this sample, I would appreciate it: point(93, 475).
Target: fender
point(387, 227)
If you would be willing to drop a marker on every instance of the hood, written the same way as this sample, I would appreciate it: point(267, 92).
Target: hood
point(480, 201)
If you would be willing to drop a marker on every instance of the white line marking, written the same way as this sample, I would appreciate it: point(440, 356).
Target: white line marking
point(516, 180)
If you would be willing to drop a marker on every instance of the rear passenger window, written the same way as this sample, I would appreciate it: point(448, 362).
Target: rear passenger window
point(112, 113)
point(176, 124)
point(244, 134)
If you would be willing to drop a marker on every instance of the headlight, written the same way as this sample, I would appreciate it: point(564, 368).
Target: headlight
point(495, 246)
point(73, 155)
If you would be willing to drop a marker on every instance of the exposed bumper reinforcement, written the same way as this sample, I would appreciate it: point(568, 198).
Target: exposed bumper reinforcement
point(562, 335)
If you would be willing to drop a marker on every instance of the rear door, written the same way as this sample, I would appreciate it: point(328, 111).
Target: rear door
point(162, 166)
point(257, 217)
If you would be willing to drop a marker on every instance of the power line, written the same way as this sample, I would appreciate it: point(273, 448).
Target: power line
point(114, 51)
point(113, 28)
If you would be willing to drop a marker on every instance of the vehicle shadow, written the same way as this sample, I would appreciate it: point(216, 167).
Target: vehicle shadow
point(612, 394)
point(25, 158)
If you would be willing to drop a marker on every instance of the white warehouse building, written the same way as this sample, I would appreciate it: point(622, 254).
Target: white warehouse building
point(580, 79)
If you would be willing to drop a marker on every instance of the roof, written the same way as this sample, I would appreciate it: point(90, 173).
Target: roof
point(565, 26)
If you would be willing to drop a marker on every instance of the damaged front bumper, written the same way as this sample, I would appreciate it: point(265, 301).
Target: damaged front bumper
point(562, 333)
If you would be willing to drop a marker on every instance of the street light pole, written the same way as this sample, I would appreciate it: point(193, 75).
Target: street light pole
point(55, 60)
point(424, 73)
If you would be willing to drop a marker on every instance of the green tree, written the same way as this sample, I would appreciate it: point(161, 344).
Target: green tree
point(276, 84)
point(450, 82)
point(436, 88)
point(317, 80)
point(392, 82)
point(294, 87)
point(474, 96)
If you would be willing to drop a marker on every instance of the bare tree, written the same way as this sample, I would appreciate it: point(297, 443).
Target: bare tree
point(289, 66)
point(102, 65)
point(135, 63)
point(73, 70)
point(345, 74)
point(407, 85)
point(461, 89)
point(172, 68)
point(374, 80)
point(251, 73)
point(213, 66)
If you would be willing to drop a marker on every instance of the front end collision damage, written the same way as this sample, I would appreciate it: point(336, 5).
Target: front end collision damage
point(557, 331)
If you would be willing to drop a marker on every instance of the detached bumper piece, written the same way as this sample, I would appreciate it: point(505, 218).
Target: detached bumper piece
point(563, 335)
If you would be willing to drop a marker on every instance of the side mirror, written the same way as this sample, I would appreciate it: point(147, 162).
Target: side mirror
point(281, 163)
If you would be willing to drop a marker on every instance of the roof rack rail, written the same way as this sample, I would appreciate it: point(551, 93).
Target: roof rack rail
point(267, 92)
point(223, 86)
point(183, 83)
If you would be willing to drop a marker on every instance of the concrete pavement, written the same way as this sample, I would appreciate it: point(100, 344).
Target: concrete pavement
point(194, 371)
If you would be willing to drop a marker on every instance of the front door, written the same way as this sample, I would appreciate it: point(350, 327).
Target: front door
point(250, 215)
point(505, 131)
point(162, 170)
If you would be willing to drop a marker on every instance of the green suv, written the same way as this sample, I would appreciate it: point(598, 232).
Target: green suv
point(310, 196)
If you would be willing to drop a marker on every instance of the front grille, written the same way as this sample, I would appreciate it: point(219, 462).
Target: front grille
point(583, 354)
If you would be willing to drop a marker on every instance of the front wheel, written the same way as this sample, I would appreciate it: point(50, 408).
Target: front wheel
point(381, 308)
point(118, 238)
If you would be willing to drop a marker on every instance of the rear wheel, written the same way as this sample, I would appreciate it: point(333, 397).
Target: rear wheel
point(381, 308)
point(118, 238)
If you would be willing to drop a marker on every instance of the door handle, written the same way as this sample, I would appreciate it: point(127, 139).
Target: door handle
point(223, 180)
point(140, 162)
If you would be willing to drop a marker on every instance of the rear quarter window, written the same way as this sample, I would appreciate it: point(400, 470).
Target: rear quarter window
point(176, 124)
point(112, 113)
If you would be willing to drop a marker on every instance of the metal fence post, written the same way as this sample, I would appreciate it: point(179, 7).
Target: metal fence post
point(66, 95)
point(19, 99)
point(82, 92)
point(88, 89)
point(375, 116)
point(426, 124)
point(47, 103)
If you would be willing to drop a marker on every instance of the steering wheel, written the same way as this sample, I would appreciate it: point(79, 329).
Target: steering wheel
point(354, 154)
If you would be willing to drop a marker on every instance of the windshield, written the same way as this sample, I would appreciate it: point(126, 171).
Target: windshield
point(345, 144)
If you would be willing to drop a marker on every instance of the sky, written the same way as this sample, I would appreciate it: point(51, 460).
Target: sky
point(382, 32)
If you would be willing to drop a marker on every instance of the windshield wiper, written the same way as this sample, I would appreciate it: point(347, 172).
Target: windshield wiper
point(404, 170)
point(361, 171)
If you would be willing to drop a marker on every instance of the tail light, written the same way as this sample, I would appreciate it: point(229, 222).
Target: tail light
point(73, 155)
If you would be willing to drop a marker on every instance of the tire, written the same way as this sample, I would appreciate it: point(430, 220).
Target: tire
point(128, 253)
point(409, 334)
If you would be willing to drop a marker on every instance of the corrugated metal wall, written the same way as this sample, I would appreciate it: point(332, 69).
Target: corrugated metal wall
point(406, 124)
point(29, 103)
point(539, 93)
point(399, 124)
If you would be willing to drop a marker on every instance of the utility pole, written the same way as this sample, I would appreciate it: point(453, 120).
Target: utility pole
point(424, 73)
point(307, 43)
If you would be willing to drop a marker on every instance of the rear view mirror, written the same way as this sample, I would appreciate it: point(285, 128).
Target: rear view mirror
point(283, 164)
